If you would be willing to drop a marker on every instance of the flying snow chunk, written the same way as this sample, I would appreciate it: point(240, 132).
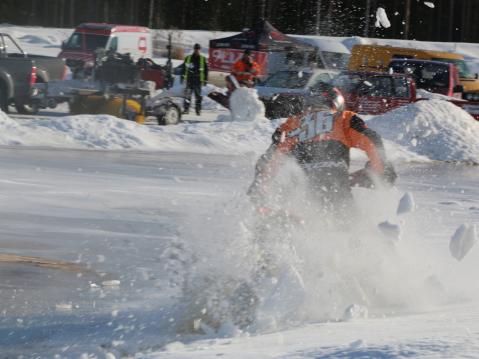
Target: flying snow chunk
point(462, 241)
point(390, 230)
point(63, 307)
point(429, 4)
point(382, 18)
point(406, 204)
point(356, 311)
point(111, 283)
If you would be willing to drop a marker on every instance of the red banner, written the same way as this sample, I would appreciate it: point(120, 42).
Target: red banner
point(223, 59)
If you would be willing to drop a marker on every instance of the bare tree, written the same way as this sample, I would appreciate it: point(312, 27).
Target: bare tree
point(407, 19)
point(72, 13)
point(262, 8)
point(318, 16)
point(367, 18)
point(151, 13)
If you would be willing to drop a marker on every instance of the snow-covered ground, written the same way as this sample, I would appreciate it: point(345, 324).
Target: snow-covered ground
point(103, 219)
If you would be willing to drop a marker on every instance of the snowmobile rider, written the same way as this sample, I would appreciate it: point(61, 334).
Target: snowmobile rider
point(195, 75)
point(319, 139)
point(246, 69)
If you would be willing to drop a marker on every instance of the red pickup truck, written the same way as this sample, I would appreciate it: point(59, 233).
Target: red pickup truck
point(375, 93)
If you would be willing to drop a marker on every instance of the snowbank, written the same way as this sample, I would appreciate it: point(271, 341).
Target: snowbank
point(103, 132)
point(434, 128)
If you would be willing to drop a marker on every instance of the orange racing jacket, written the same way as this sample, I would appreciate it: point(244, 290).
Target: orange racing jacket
point(245, 73)
point(324, 142)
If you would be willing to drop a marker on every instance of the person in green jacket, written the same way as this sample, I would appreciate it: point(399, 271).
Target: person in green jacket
point(195, 76)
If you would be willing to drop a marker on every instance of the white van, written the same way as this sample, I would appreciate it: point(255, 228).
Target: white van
point(79, 50)
point(331, 53)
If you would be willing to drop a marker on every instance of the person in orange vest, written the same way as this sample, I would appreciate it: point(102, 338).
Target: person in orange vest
point(246, 69)
point(319, 139)
point(195, 75)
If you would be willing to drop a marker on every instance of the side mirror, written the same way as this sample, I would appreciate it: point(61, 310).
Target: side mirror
point(458, 88)
point(63, 45)
point(476, 76)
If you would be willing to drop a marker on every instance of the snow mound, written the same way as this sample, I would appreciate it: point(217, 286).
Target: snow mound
point(436, 129)
point(85, 131)
point(433, 96)
point(245, 105)
point(104, 132)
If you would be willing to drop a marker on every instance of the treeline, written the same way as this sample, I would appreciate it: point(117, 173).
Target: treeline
point(447, 20)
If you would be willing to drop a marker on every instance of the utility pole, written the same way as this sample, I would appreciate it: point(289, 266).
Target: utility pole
point(318, 15)
point(367, 18)
point(407, 19)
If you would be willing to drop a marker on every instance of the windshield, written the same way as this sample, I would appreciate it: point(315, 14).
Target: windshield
point(78, 41)
point(336, 59)
point(461, 67)
point(288, 79)
point(426, 75)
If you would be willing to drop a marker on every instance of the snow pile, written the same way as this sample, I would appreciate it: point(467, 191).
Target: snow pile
point(83, 132)
point(436, 129)
point(246, 106)
point(420, 93)
point(244, 131)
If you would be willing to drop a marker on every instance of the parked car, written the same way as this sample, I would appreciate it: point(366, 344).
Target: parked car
point(377, 58)
point(79, 50)
point(432, 76)
point(374, 93)
point(19, 71)
point(282, 91)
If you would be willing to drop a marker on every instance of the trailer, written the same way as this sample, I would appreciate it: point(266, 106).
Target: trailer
point(117, 86)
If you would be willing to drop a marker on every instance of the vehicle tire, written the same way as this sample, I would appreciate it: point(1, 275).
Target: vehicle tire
point(3, 98)
point(172, 116)
point(27, 109)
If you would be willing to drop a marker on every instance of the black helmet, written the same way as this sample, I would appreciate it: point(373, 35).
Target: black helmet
point(197, 47)
point(325, 96)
